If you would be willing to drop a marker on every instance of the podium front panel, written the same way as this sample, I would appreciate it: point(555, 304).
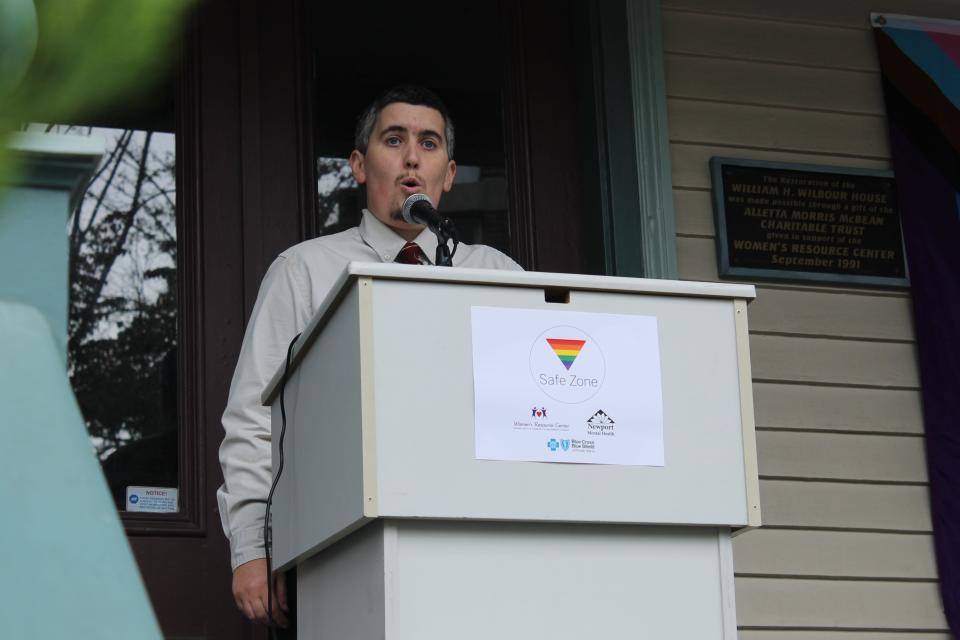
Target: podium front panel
point(381, 418)
point(424, 425)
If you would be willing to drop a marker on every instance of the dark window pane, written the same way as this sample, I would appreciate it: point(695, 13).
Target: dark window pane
point(469, 79)
point(122, 338)
point(477, 204)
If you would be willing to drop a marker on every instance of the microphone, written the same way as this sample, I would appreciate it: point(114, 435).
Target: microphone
point(418, 209)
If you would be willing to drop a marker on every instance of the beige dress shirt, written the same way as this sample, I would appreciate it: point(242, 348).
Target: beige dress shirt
point(296, 282)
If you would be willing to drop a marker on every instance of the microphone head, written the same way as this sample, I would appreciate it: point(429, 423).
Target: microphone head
point(407, 210)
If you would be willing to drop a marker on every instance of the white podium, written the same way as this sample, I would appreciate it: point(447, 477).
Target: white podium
point(399, 532)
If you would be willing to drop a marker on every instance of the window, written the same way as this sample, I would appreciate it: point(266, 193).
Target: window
point(122, 333)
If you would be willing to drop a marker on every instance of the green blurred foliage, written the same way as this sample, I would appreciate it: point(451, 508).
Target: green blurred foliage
point(62, 59)
point(18, 41)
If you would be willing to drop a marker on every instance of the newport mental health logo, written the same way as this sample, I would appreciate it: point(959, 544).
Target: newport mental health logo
point(567, 365)
point(600, 424)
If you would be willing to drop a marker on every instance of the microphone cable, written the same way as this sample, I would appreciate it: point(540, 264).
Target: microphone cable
point(444, 257)
point(267, 526)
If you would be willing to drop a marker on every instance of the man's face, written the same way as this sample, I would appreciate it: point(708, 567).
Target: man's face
point(407, 154)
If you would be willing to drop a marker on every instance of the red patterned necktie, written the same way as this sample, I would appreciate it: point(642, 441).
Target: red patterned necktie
point(411, 254)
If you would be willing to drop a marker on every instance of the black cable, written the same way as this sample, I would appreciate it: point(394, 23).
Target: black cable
point(267, 528)
point(440, 257)
point(444, 233)
point(456, 243)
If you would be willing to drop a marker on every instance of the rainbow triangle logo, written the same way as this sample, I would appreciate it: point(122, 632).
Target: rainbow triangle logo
point(566, 350)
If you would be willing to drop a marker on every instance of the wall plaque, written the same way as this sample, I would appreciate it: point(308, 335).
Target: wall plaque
point(807, 222)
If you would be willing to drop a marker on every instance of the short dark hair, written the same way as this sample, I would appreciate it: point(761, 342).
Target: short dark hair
point(409, 94)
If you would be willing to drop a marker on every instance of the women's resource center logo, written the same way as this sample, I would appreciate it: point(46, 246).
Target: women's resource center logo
point(567, 364)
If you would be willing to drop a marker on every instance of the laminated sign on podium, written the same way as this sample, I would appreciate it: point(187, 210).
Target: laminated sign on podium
point(475, 454)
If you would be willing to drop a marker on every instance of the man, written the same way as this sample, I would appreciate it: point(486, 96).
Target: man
point(404, 145)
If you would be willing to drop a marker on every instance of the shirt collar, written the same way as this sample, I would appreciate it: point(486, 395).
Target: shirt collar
point(387, 243)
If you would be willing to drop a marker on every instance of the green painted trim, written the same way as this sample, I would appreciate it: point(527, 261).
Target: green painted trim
point(652, 140)
point(594, 142)
point(632, 179)
point(622, 223)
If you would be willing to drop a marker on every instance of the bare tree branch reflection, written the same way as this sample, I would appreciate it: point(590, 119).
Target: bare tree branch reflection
point(123, 308)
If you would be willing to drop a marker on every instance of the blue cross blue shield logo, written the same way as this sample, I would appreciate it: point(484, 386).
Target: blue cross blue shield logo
point(565, 444)
point(553, 445)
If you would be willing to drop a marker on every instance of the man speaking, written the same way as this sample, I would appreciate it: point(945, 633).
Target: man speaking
point(403, 146)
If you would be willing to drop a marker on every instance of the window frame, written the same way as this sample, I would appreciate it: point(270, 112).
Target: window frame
point(189, 518)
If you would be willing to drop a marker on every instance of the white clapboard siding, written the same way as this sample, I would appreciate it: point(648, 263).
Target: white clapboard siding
point(794, 406)
point(820, 634)
point(767, 602)
point(881, 317)
point(846, 549)
point(845, 505)
point(697, 259)
point(773, 84)
point(691, 161)
point(840, 554)
point(788, 129)
point(768, 41)
point(849, 13)
point(848, 362)
point(693, 212)
point(841, 456)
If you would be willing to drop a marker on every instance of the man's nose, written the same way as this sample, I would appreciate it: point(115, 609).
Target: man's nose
point(411, 158)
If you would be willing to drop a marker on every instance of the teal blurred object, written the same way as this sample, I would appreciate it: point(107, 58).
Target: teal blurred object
point(34, 248)
point(66, 568)
point(68, 571)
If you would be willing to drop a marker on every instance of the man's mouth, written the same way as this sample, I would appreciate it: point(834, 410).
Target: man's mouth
point(410, 185)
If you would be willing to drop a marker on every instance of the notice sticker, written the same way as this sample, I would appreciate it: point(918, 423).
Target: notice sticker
point(152, 499)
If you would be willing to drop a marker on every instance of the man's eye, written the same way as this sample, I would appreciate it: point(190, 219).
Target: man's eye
point(393, 141)
point(429, 144)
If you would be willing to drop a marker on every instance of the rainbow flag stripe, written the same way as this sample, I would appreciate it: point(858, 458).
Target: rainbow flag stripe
point(566, 350)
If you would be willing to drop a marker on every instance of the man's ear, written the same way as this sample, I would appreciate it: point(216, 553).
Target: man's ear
point(356, 165)
point(451, 173)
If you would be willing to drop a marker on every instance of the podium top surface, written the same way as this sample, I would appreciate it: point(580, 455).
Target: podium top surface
point(493, 277)
point(537, 279)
